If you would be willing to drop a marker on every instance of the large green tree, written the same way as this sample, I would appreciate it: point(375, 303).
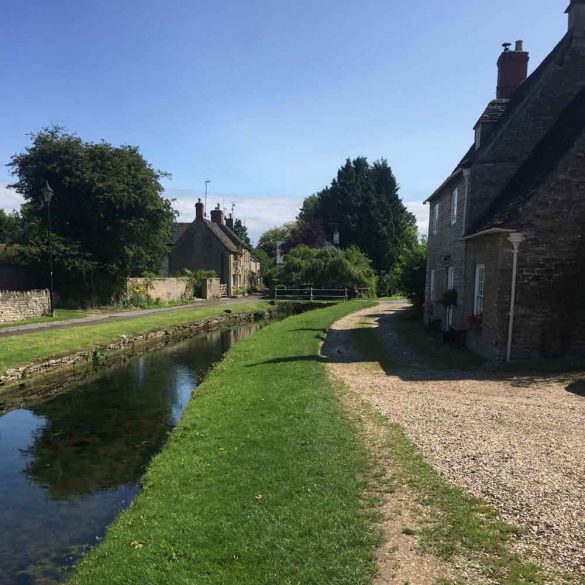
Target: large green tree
point(270, 238)
point(363, 203)
point(109, 219)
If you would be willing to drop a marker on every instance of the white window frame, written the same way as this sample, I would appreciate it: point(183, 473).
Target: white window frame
point(435, 221)
point(454, 203)
point(451, 277)
point(479, 291)
point(433, 286)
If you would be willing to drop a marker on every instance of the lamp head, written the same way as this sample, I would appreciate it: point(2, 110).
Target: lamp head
point(47, 193)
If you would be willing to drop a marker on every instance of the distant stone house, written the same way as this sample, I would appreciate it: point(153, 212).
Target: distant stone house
point(213, 245)
point(507, 227)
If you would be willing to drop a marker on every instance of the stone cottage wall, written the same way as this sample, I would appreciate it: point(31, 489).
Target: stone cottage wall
point(21, 305)
point(447, 249)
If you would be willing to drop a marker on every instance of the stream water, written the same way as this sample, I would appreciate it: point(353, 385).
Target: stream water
point(69, 465)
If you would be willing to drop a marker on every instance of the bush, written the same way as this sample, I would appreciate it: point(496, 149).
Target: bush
point(411, 273)
point(194, 280)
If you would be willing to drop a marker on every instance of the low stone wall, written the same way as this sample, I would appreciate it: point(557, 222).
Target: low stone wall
point(165, 289)
point(21, 305)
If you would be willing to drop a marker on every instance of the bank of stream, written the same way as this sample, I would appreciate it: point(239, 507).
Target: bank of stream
point(69, 464)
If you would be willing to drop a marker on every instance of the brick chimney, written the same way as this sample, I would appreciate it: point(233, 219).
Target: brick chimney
point(512, 70)
point(230, 221)
point(199, 210)
point(217, 215)
point(576, 12)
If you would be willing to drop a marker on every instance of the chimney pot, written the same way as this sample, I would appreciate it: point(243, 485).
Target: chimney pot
point(199, 209)
point(217, 215)
point(512, 70)
point(230, 221)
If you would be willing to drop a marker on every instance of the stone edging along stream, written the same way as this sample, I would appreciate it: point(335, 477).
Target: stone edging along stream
point(32, 381)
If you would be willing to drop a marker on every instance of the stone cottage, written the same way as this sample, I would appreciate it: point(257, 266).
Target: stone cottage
point(213, 245)
point(507, 227)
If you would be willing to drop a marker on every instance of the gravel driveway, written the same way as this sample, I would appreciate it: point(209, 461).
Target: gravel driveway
point(516, 442)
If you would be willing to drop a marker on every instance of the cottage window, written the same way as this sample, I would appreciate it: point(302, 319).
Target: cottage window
point(451, 278)
point(435, 218)
point(454, 198)
point(479, 289)
point(433, 289)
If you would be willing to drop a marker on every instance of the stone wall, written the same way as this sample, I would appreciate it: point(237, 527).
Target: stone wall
point(211, 289)
point(165, 289)
point(21, 305)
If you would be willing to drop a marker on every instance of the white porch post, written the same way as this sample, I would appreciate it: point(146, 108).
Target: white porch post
point(515, 238)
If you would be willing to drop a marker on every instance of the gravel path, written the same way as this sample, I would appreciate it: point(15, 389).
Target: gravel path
point(517, 442)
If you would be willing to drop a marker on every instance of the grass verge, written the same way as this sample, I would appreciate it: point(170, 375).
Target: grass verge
point(60, 315)
point(263, 481)
point(42, 345)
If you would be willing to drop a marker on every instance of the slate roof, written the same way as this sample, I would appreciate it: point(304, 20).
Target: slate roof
point(222, 236)
point(231, 234)
point(537, 168)
point(494, 112)
point(179, 229)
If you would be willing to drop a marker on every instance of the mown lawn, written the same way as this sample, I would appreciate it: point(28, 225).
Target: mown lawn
point(262, 482)
point(60, 315)
point(43, 345)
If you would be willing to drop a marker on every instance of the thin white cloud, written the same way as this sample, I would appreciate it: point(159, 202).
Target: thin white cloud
point(421, 212)
point(257, 212)
point(10, 200)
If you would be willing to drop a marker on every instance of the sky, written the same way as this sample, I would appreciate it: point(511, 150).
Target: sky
point(267, 98)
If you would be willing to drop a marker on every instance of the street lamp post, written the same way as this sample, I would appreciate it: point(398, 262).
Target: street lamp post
point(48, 193)
point(207, 181)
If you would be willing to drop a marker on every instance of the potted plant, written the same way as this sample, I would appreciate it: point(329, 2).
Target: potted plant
point(449, 298)
point(474, 321)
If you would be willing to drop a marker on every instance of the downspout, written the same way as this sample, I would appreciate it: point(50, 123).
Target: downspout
point(515, 238)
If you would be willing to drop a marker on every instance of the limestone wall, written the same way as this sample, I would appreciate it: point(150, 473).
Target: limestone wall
point(165, 289)
point(211, 289)
point(20, 305)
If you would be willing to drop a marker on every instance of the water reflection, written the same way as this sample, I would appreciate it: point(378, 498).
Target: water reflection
point(69, 465)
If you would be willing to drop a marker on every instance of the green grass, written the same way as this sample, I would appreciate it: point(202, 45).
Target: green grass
point(43, 345)
point(60, 315)
point(262, 482)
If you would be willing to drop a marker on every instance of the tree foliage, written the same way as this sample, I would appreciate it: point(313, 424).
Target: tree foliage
point(270, 238)
point(329, 266)
point(9, 226)
point(411, 273)
point(242, 231)
point(363, 202)
point(109, 220)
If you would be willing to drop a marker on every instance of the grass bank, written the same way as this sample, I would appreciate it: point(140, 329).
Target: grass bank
point(261, 482)
point(48, 344)
point(60, 315)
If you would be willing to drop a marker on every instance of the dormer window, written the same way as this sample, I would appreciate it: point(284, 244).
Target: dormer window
point(477, 136)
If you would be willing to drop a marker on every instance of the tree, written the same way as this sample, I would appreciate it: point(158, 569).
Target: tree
point(363, 202)
point(329, 266)
point(242, 231)
point(411, 273)
point(9, 226)
point(109, 220)
point(270, 238)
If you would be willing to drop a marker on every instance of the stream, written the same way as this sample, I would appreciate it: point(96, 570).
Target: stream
point(71, 464)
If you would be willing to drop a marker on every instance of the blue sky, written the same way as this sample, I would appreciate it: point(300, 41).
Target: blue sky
point(265, 97)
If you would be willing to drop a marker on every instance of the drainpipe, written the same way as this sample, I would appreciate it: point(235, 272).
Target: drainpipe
point(515, 238)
